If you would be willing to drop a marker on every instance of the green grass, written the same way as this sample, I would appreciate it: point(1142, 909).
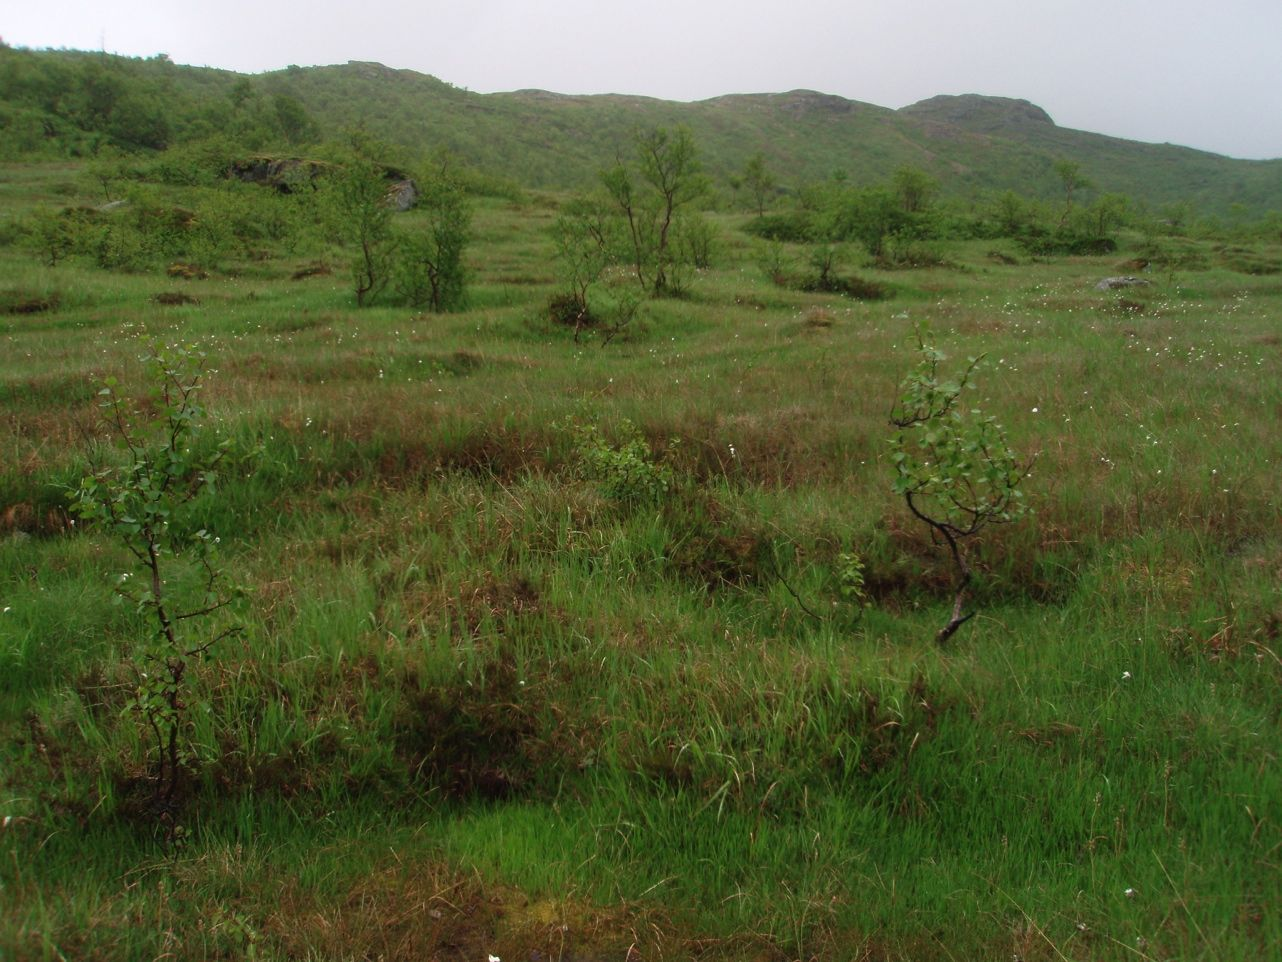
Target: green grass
point(481, 708)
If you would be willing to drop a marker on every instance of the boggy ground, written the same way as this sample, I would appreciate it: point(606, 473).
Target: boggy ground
point(484, 707)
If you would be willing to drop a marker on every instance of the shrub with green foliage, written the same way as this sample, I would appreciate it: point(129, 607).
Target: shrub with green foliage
point(668, 179)
point(354, 201)
point(429, 269)
point(953, 466)
point(56, 235)
point(792, 227)
point(626, 471)
point(143, 500)
point(584, 238)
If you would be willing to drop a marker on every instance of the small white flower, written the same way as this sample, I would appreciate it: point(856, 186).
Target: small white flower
point(7, 609)
point(1129, 893)
point(1126, 676)
point(1034, 410)
point(494, 958)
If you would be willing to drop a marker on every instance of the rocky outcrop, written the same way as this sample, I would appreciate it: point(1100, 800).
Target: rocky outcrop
point(402, 195)
point(981, 114)
point(285, 174)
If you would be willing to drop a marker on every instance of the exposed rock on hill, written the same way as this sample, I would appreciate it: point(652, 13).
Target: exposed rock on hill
point(1002, 116)
point(286, 174)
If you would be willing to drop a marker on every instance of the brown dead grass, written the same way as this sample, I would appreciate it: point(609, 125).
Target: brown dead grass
point(422, 911)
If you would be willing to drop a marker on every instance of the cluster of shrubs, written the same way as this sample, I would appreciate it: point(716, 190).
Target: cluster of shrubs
point(897, 226)
point(342, 199)
point(142, 231)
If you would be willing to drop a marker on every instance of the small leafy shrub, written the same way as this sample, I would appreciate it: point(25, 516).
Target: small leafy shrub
point(793, 227)
point(428, 269)
point(176, 583)
point(584, 236)
point(953, 466)
point(119, 246)
point(55, 235)
point(852, 582)
point(1168, 256)
point(772, 260)
point(697, 241)
point(626, 471)
point(902, 253)
point(652, 198)
point(619, 305)
point(568, 311)
point(1043, 243)
point(609, 312)
point(353, 202)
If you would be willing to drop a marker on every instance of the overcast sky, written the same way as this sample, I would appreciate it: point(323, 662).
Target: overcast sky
point(1207, 75)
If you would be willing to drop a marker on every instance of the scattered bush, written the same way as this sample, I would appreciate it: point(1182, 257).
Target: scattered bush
point(429, 270)
point(652, 203)
point(626, 471)
point(1040, 242)
point(584, 237)
point(793, 227)
point(143, 502)
point(903, 253)
point(857, 287)
point(354, 201)
point(953, 466)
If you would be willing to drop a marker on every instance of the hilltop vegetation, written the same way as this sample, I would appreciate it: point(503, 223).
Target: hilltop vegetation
point(52, 105)
point(549, 574)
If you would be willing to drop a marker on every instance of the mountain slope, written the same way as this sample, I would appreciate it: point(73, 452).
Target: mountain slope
point(1160, 172)
point(972, 144)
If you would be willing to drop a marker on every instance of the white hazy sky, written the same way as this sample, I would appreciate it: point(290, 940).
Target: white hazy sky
point(1206, 75)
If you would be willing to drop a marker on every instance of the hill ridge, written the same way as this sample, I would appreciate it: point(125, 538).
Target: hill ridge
point(974, 144)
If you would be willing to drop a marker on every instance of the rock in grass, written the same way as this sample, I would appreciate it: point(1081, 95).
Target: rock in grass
point(1113, 283)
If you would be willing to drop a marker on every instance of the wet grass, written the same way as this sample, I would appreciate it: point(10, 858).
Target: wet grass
point(481, 707)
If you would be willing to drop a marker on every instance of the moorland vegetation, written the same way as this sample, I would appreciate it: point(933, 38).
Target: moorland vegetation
point(686, 561)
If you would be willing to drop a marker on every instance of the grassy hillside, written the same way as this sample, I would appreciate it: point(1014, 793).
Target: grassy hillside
point(551, 140)
point(504, 689)
point(972, 145)
point(1152, 171)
